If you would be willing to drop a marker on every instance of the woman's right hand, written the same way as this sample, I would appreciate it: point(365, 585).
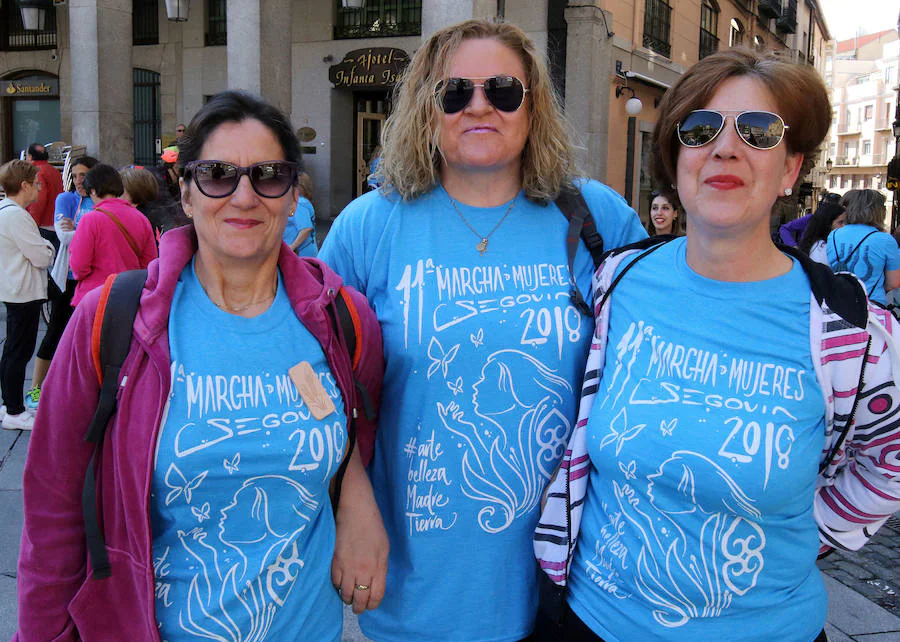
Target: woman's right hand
point(66, 224)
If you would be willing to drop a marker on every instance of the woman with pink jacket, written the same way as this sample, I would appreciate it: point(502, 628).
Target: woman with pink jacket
point(112, 238)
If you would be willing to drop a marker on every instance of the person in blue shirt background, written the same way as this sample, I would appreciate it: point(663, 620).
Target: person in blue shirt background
point(462, 254)
point(300, 231)
point(863, 247)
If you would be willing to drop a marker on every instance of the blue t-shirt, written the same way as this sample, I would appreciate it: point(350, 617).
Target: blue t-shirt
point(704, 438)
point(484, 362)
point(73, 206)
point(304, 217)
point(243, 533)
point(877, 253)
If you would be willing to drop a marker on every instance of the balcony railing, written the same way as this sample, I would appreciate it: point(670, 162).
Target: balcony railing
point(847, 161)
point(709, 44)
point(14, 37)
point(769, 8)
point(657, 19)
point(379, 18)
point(787, 22)
point(849, 129)
point(883, 123)
point(881, 159)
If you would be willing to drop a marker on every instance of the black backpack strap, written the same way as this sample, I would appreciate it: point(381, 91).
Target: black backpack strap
point(117, 312)
point(581, 226)
point(345, 322)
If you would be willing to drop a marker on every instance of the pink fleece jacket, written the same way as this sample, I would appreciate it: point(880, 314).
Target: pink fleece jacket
point(99, 248)
point(58, 599)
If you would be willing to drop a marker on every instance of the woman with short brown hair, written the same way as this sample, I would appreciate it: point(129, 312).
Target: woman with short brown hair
point(24, 259)
point(736, 422)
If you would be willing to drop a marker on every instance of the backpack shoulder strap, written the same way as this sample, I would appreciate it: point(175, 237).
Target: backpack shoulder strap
point(581, 226)
point(110, 341)
point(345, 320)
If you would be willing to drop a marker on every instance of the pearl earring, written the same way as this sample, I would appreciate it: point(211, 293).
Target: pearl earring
point(291, 214)
point(788, 191)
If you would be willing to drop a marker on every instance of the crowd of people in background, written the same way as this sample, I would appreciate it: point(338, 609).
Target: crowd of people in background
point(566, 451)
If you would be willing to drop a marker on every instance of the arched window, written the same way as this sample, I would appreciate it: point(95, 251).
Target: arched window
point(709, 28)
point(736, 36)
point(758, 43)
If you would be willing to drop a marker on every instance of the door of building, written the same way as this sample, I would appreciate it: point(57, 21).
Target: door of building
point(31, 107)
point(147, 116)
point(371, 112)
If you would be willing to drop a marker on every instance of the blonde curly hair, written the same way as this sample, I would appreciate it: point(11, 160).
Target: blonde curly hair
point(411, 156)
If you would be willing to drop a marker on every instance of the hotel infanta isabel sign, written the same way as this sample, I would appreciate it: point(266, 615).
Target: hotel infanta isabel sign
point(375, 67)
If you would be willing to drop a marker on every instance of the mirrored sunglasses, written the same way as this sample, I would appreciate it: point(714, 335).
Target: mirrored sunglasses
point(218, 179)
point(506, 93)
point(759, 129)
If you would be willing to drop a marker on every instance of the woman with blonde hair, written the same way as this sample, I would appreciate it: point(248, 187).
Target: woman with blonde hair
point(462, 253)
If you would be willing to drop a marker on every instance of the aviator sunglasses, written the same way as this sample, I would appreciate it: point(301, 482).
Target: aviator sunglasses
point(759, 129)
point(506, 93)
point(218, 179)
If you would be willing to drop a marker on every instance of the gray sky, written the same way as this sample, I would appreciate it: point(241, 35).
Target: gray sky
point(844, 17)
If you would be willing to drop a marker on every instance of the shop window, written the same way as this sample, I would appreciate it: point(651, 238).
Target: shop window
point(13, 36)
point(145, 22)
point(736, 36)
point(709, 28)
point(216, 23)
point(657, 21)
point(378, 18)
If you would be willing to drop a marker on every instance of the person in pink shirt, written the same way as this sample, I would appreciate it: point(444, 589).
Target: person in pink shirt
point(113, 237)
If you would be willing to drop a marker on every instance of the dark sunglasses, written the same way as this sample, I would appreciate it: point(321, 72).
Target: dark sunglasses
point(506, 93)
point(759, 129)
point(218, 179)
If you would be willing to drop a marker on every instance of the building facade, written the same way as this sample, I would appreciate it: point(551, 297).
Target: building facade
point(862, 75)
point(117, 75)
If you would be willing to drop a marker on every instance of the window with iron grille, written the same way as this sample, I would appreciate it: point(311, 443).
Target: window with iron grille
point(736, 37)
point(13, 36)
point(709, 28)
point(657, 18)
point(145, 22)
point(147, 115)
point(378, 18)
point(216, 23)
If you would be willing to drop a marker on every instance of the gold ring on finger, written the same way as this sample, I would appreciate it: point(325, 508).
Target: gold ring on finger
point(362, 587)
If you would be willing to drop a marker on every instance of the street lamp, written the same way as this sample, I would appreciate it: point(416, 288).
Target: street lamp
point(178, 10)
point(828, 165)
point(34, 13)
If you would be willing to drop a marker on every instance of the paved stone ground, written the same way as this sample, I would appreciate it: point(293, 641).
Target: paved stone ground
point(873, 572)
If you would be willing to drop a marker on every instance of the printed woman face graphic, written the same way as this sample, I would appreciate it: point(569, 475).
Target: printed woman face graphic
point(244, 519)
point(248, 518)
point(494, 394)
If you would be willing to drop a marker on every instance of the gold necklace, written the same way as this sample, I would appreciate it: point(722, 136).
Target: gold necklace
point(483, 242)
point(234, 310)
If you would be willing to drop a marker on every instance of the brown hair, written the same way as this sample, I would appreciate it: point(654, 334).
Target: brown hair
point(411, 158)
point(865, 207)
point(140, 184)
point(306, 186)
point(14, 173)
point(798, 91)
